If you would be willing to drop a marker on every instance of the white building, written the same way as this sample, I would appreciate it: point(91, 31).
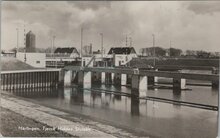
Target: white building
point(37, 60)
point(122, 55)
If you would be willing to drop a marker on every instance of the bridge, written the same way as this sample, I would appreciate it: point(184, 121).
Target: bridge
point(137, 78)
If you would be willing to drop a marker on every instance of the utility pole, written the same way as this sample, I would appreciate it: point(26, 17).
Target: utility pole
point(130, 41)
point(219, 105)
point(170, 48)
point(25, 58)
point(53, 43)
point(101, 44)
point(126, 40)
point(17, 39)
point(51, 49)
point(153, 49)
point(81, 42)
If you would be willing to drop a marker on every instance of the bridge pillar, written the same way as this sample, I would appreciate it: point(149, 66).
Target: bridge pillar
point(179, 84)
point(103, 77)
point(113, 78)
point(87, 79)
point(84, 79)
point(123, 79)
point(68, 78)
point(215, 84)
point(117, 79)
point(139, 85)
point(61, 78)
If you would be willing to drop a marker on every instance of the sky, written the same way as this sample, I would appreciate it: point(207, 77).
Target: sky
point(187, 24)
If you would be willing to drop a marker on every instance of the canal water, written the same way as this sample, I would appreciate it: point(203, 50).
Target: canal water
point(105, 103)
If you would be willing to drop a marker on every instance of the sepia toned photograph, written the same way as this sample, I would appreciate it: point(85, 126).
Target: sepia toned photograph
point(110, 69)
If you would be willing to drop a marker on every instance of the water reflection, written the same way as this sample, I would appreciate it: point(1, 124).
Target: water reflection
point(135, 106)
point(37, 92)
point(105, 102)
point(177, 97)
point(77, 96)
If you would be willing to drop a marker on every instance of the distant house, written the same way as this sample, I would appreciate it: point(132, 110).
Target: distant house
point(62, 57)
point(151, 51)
point(122, 55)
point(122, 50)
point(66, 52)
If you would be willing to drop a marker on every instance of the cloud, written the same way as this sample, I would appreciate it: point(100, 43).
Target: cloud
point(167, 20)
point(95, 5)
point(204, 7)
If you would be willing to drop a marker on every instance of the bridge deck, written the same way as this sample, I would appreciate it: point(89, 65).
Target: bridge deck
point(167, 74)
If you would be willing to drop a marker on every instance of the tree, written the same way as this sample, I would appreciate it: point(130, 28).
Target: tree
point(159, 52)
point(174, 52)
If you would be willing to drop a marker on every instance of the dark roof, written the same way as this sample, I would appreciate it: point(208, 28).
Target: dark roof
point(121, 50)
point(63, 50)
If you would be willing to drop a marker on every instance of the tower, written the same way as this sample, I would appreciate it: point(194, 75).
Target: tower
point(30, 42)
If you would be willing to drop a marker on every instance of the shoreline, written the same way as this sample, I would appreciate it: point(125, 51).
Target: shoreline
point(80, 128)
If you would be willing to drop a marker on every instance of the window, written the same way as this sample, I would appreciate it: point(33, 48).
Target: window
point(38, 62)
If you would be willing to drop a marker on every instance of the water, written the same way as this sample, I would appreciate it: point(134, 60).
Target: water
point(142, 116)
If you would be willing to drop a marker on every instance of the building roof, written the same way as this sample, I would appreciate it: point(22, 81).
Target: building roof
point(67, 50)
point(122, 50)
